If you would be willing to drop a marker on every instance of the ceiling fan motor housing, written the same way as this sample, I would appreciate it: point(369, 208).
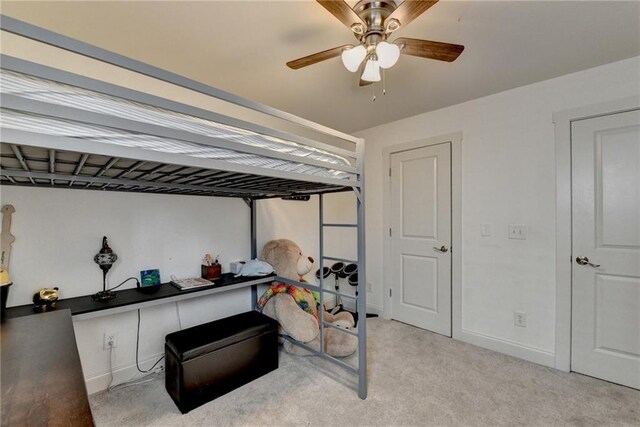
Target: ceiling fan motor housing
point(374, 14)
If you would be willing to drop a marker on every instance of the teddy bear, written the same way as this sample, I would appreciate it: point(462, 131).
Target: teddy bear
point(296, 309)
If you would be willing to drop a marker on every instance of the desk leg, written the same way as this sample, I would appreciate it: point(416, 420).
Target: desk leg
point(254, 296)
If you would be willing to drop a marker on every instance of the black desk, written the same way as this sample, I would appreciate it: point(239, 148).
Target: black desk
point(131, 299)
point(42, 380)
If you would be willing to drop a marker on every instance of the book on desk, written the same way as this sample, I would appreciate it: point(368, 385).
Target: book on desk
point(191, 283)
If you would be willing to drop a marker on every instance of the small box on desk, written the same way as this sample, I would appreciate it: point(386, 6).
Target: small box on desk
point(211, 272)
point(236, 266)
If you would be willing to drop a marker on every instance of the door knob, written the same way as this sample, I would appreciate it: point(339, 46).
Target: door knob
point(583, 260)
point(442, 249)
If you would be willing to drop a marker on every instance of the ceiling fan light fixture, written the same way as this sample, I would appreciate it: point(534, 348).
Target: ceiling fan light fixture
point(357, 29)
point(387, 54)
point(371, 71)
point(353, 57)
point(392, 25)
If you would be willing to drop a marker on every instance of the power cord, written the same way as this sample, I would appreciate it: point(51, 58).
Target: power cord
point(125, 281)
point(151, 373)
point(137, 347)
point(178, 313)
point(134, 381)
point(110, 367)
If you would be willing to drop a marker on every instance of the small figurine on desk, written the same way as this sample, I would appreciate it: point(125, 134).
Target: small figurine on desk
point(211, 268)
point(45, 298)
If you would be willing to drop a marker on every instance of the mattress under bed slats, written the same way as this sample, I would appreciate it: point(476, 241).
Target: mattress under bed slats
point(27, 87)
point(36, 166)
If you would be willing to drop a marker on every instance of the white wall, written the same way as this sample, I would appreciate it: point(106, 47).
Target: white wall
point(58, 231)
point(508, 177)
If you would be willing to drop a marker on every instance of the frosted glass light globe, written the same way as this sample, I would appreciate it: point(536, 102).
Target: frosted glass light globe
point(352, 58)
point(387, 54)
point(371, 71)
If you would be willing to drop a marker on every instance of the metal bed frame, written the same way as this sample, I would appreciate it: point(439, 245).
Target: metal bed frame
point(35, 159)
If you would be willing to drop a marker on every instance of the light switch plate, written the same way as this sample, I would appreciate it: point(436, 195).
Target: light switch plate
point(517, 231)
point(485, 230)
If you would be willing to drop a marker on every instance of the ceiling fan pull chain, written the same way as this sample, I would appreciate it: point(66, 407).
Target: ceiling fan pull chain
point(384, 82)
point(373, 98)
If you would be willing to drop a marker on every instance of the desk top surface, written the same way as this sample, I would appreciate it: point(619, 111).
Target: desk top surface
point(41, 375)
point(84, 304)
point(42, 380)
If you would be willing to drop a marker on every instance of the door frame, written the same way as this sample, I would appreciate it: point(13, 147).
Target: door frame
point(455, 139)
point(564, 259)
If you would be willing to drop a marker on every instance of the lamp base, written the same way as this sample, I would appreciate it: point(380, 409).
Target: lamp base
point(104, 296)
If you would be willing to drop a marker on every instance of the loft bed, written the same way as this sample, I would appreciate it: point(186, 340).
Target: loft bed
point(61, 129)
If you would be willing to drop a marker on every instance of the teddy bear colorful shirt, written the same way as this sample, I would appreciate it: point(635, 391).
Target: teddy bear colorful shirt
point(294, 291)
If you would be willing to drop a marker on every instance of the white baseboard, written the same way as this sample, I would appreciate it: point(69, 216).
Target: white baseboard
point(531, 354)
point(374, 309)
point(101, 382)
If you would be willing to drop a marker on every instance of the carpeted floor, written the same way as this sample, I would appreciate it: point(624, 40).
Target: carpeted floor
point(415, 378)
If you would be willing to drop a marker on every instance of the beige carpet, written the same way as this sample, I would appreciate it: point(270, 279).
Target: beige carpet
point(415, 378)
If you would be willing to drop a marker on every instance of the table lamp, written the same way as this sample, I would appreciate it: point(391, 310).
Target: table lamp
point(105, 259)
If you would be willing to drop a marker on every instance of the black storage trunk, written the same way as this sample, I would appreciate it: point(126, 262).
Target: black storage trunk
point(207, 361)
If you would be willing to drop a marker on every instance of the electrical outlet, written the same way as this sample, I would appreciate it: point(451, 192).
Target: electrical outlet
point(520, 318)
point(517, 231)
point(109, 341)
point(369, 287)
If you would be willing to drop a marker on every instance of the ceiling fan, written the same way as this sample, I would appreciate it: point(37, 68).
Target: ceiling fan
point(372, 23)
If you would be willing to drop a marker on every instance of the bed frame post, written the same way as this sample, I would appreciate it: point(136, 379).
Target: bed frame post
point(254, 248)
point(361, 302)
point(320, 266)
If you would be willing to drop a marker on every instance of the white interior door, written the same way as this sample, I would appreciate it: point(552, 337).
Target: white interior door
point(421, 236)
point(606, 231)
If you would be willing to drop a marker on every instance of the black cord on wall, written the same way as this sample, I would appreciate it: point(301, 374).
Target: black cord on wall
point(137, 347)
point(125, 281)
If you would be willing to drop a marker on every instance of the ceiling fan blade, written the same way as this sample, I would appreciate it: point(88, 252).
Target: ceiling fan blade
point(316, 57)
point(429, 49)
point(342, 11)
point(410, 10)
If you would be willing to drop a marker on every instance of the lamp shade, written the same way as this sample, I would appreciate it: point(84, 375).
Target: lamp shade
point(352, 58)
point(106, 257)
point(387, 54)
point(371, 71)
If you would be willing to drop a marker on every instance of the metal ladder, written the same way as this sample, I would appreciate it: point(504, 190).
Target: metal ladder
point(360, 296)
point(361, 334)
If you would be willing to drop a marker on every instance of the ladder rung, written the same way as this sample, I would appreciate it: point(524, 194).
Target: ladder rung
point(348, 261)
point(321, 354)
point(340, 294)
point(346, 331)
point(339, 225)
point(312, 287)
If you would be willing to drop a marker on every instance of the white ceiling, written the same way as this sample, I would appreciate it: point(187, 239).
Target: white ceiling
point(242, 47)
